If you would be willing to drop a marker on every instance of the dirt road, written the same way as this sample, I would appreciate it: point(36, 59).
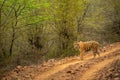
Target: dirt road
point(67, 69)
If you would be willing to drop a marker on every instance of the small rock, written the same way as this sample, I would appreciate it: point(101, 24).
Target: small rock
point(18, 67)
point(16, 70)
point(81, 65)
point(117, 78)
point(51, 60)
point(76, 69)
point(69, 71)
point(116, 75)
point(112, 69)
point(72, 72)
point(25, 67)
point(110, 75)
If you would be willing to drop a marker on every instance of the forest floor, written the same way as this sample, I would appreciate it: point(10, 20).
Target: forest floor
point(105, 67)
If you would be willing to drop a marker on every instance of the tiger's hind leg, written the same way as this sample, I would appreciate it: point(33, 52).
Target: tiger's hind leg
point(94, 55)
point(98, 52)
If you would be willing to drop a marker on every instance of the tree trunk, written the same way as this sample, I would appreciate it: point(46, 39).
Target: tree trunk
point(12, 42)
point(0, 18)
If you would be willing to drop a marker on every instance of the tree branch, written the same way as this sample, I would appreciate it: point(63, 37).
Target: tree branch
point(7, 17)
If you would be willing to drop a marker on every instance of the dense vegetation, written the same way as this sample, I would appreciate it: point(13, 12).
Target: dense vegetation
point(32, 31)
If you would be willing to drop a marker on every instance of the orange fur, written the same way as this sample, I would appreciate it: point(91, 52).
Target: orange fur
point(85, 46)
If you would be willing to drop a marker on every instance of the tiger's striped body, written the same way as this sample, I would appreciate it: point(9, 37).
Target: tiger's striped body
point(86, 46)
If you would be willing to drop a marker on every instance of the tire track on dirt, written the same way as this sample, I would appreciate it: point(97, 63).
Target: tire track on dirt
point(54, 70)
point(90, 73)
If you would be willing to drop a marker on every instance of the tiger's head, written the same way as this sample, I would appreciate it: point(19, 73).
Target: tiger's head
point(76, 45)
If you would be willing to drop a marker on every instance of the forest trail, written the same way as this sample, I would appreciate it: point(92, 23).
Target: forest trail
point(68, 69)
point(56, 69)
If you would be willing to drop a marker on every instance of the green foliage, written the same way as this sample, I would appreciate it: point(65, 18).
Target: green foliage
point(48, 28)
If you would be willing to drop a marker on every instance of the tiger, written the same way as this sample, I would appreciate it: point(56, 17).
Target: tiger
point(87, 46)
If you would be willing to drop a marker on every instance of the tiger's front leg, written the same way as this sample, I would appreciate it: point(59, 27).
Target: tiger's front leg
point(82, 54)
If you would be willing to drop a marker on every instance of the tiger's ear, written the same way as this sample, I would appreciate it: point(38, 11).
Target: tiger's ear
point(80, 42)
